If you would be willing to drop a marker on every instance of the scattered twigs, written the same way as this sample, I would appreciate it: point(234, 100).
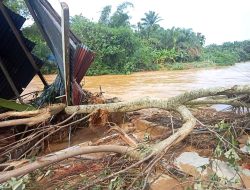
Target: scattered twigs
point(147, 170)
point(66, 120)
point(157, 148)
point(49, 130)
point(58, 128)
point(23, 142)
point(117, 173)
point(20, 133)
point(220, 136)
point(150, 167)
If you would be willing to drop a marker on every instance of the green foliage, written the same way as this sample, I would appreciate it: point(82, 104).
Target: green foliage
point(121, 18)
point(15, 184)
point(41, 50)
point(165, 56)
point(12, 105)
point(177, 66)
point(116, 48)
point(228, 53)
point(18, 6)
point(227, 148)
point(116, 183)
point(150, 23)
point(105, 14)
point(176, 44)
point(121, 48)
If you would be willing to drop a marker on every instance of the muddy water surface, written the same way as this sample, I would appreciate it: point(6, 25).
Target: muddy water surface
point(160, 84)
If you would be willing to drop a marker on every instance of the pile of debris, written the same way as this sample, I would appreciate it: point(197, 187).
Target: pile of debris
point(213, 156)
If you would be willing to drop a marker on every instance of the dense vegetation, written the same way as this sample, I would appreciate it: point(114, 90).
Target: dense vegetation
point(228, 52)
point(123, 48)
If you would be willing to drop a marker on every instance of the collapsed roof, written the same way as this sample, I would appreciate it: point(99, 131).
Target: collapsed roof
point(13, 58)
point(19, 65)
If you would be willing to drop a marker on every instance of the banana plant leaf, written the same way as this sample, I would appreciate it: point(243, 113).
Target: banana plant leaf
point(12, 105)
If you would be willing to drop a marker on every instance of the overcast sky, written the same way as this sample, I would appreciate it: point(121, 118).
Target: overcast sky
point(218, 20)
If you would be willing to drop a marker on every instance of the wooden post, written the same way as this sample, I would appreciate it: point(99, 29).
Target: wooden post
point(66, 51)
point(10, 81)
point(20, 41)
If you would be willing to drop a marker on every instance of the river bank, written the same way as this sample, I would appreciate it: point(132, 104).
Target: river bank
point(159, 84)
point(193, 65)
point(161, 67)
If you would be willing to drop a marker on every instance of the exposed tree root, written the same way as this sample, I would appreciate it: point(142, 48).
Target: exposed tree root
point(20, 114)
point(38, 116)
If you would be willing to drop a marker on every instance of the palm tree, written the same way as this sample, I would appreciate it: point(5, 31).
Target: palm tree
point(121, 16)
point(105, 15)
point(150, 22)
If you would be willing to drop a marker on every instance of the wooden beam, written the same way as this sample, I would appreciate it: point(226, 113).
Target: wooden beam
point(66, 51)
point(21, 42)
point(10, 81)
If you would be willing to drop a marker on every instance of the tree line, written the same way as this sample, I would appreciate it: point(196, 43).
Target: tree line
point(122, 48)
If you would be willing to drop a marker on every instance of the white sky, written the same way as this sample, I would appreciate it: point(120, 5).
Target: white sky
point(218, 20)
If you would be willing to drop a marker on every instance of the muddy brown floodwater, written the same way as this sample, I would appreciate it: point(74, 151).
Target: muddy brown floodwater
point(159, 84)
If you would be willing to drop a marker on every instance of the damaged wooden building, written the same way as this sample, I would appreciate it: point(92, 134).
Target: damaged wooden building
point(18, 65)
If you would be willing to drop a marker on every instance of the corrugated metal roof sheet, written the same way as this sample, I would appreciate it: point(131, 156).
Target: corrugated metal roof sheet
point(13, 57)
point(79, 61)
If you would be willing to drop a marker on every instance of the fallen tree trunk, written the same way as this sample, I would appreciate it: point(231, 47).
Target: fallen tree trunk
point(169, 104)
point(186, 128)
point(176, 104)
point(62, 155)
point(232, 102)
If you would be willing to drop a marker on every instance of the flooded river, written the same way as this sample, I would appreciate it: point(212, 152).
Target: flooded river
point(160, 84)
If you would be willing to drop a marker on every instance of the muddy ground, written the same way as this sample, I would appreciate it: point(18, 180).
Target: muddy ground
point(144, 126)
